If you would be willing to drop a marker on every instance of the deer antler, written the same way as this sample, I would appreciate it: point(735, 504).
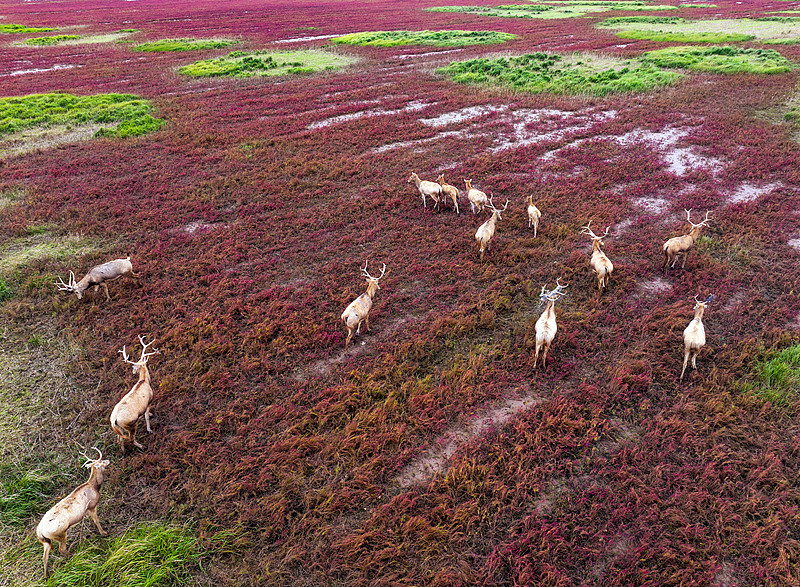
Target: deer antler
point(67, 286)
point(704, 222)
point(590, 232)
point(368, 276)
point(145, 355)
point(89, 460)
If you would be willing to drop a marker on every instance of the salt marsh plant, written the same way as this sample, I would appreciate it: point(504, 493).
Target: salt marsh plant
point(178, 45)
point(450, 38)
point(265, 63)
point(21, 28)
point(54, 40)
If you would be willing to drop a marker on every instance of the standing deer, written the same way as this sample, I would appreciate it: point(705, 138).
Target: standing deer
point(694, 336)
point(546, 324)
point(358, 310)
point(449, 191)
point(680, 245)
point(135, 403)
point(98, 276)
point(71, 510)
point(533, 215)
point(601, 264)
point(477, 199)
point(427, 188)
point(486, 230)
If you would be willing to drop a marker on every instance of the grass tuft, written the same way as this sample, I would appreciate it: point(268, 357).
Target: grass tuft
point(54, 40)
point(668, 37)
point(23, 494)
point(722, 59)
point(21, 28)
point(546, 72)
point(554, 10)
point(455, 38)
point(779, 377)
point(183, 45)
point(262, 63)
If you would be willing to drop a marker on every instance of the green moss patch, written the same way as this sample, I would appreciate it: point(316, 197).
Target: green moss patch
point(548, 11)
point(454, 38)
point(184, 45)
point(21, 28)
point(120, 115)
point(54, 40)
point(576, 74)
point(685, 37)
point(724, 59)
point(263, 63)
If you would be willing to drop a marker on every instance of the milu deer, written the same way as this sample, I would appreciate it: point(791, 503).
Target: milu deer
point(680, 245)
point(694, 336)
point(546, 324)
point(533, 215)
point(71, 510)
point(98, 276)
point(449, 191)
point(486, 230)
point(358, 310)
point(477, 199)
point(427, 188)
point(135, 403)
point(601, 264)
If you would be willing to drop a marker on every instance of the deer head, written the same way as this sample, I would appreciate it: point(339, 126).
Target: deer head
point(498, 211)
point(554, 294)
point(372, 282)
point(72, 286)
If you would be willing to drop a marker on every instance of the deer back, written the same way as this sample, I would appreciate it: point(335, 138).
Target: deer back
point(107, 271)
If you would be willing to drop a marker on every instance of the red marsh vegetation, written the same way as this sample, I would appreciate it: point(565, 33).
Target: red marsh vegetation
point(431, 452)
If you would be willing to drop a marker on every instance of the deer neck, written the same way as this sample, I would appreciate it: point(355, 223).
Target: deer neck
point(96, 478)
point(695, 233)
point(698, 313)
point(144, 374)
point(372, 289)
point(493, 220)
point(550, 309)
point(596, 246)
point(416, 179)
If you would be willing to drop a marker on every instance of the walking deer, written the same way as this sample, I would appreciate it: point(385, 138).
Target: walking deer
point(694, 336)
point(546, 326)
point(98, 276)
point(72, 509)
point(601, 264)
point(486, 230)
point(449, 191)
point(135, 403)
point(533, 215)
point(358, 310)
point(680, 245)
point(427, 188)
point(477, 199)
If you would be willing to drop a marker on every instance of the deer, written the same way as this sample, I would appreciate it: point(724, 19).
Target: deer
point(694, 335)
point(135, 403)
point(546, 326)
point(358, 310)
point(680, 245)
point(533, 215)
point(98, 276)
point(449, 191)
point(601, 264)
point(486, 230)
point(477, 199)
point(427, 188)
point(72, 509)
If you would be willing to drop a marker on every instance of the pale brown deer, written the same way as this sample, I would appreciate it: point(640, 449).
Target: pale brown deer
point(98, 276)
point(358, 310)
point(477, 198)
point(71, 510)
point(546, 326)
point(534, 214)
point(601, 264)
point(694, 335)
point(449, 191)
point(135, 403)
point(427, 188)
point(680, 245)
point(486, 230)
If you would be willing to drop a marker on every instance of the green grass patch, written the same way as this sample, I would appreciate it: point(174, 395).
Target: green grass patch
point(125, 115)
point(184, 45)
point(263, 63)
point(21, 28)
point(697, 6)
point(454, 38)
point(722, 59)
point(25, 493)
point(684, 37)
point(778, 379)
point(625, 20)
point(5, 295)
point(19, 252)
point(553, 10)
point(55, 40)
point(575, 74)
point(147, 555)
point(759, 29)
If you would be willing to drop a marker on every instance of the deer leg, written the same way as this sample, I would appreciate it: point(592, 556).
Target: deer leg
point(105, 287)
point(535, 228)
point(62, 543)
point(536, 356)
point(96, 520)
point(694, 360)
point(349, 337)
point(366, 319)
point(544, 355)
point(685, 360)
point(133, 438)
point(121, 443)
point(147, 419)
point(46, 556)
